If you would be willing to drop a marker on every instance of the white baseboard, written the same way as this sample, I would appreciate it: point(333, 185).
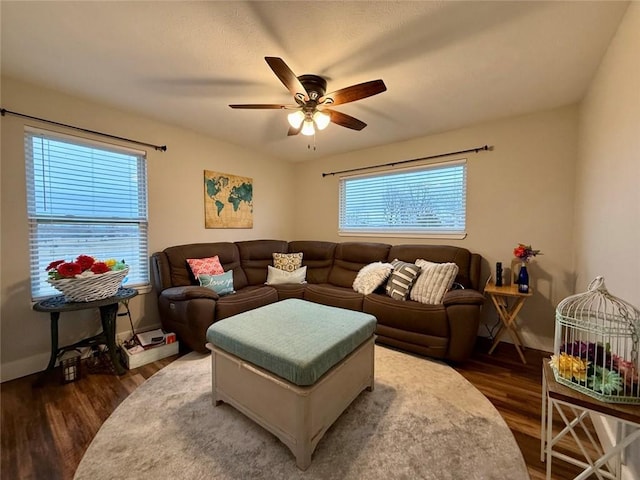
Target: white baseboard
point(23, 367)
point(37, 363)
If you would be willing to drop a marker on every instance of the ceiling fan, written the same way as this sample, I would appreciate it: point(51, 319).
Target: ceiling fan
point(311, 109)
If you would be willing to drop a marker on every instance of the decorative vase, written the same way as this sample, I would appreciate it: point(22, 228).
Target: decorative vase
point(523, 279)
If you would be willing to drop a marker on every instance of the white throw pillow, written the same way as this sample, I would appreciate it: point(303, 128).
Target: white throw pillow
point(434, 281)
point(275, 276)
point(371, 277)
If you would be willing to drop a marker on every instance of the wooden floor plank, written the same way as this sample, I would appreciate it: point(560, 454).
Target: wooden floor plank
point(46, 430)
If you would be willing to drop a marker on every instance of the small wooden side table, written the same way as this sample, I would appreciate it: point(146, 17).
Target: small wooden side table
point(108, 312)
point(574, 408)
point(508, 311)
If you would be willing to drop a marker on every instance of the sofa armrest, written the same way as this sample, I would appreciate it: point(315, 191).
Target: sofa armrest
point(463, 311)
point(188, 293)
point(463, 297)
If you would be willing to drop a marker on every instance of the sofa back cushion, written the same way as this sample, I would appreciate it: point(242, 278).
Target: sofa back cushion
point(255, 255)
point(227, 252)
point(317, 257)
point(350, 257)
point(468, 266)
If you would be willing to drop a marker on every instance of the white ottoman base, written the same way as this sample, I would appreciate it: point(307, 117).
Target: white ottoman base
point(298, 416)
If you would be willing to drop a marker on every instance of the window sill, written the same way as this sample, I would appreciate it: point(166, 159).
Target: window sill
point(447, 236)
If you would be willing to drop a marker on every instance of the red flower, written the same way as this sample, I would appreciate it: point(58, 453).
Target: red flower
point(53, 265)
point(69, 269)
point(520, 252)
point(99, 267)
point(85, 262)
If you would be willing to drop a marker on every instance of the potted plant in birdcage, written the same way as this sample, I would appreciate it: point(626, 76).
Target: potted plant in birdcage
point(86, 279)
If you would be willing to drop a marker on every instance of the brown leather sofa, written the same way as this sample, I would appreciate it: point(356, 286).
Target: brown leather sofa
point(447, 331)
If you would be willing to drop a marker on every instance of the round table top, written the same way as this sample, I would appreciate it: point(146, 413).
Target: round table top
point(60, 304)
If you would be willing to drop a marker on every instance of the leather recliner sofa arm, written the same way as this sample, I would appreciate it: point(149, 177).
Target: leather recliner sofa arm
point(188, 293)
point(463, 311)
point(463, 297)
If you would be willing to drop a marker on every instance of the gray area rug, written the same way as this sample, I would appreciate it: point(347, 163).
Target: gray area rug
point(422, 421)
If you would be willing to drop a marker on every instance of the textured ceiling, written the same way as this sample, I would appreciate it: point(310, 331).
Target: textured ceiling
point(446, 64)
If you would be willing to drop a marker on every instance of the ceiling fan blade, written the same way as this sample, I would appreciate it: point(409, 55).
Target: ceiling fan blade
point(354, 92)
point(258, 106)
point(345, 120)
point(286, 76)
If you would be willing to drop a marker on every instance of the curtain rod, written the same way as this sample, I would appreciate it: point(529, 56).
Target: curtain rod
point(4, 112)
point(393, 164)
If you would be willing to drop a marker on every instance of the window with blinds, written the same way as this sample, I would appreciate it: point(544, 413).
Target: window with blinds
point(84, 197)
point(425, 201)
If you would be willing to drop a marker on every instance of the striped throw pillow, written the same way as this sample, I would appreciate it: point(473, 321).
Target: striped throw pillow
point(401, 279)
point(434, 281)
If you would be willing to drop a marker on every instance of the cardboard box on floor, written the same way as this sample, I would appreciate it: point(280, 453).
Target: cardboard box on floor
point(135, 360)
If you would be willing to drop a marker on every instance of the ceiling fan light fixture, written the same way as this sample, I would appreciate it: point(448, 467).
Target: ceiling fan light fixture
point(295, 119)
point(322, 119)
point(307, 128)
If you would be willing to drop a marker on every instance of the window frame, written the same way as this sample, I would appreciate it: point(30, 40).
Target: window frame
point(389, 231)
point(39, 288)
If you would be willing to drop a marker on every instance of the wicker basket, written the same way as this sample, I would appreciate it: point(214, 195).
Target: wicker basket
point(88, 289)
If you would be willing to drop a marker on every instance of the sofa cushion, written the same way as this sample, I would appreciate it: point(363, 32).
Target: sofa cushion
point(205, 266)
point(317, 256)
point(287, 261)
point(334, 296)
point(275, 276)
point(371, 277)
point(401, 279)
point(434, 281)
point(246, 299)
point(350, 257)
point(221, 284)
point(408, 315)
point(469, 268)
point(255, 255)
point(227, 253)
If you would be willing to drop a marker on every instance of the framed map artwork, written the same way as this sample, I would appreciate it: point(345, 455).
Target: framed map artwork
point(228, 201)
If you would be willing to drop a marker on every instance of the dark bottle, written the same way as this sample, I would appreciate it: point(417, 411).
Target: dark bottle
point(498, 274)
point(523, 280)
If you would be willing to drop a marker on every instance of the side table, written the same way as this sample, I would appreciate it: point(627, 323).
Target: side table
point(108, 312)
point(574, 408)
point(501, 297)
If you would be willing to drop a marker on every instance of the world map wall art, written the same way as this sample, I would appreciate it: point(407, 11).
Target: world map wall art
point(228, 201)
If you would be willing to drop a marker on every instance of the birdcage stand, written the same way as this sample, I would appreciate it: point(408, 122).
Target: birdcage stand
point(574, 408)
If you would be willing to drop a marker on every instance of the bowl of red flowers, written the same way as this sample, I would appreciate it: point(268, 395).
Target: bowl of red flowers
point(86, 279)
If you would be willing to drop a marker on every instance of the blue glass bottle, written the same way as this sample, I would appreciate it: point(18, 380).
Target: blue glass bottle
point(523, 279)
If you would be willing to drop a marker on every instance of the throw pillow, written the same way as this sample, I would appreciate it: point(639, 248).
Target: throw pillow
point(401, 279)
point(275, 276)
point(287, 261)
point(371, 277)
point(205, 266)
point(221, 284)
point(434, 281)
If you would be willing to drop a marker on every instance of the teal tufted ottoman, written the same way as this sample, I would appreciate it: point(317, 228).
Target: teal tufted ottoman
point(293, 367)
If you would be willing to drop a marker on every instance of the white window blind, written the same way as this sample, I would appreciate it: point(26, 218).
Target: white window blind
point(428, 200)
point(87, 198)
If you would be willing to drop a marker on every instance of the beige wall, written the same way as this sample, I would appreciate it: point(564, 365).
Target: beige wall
point(607, 221)
point(608, 174)
point(522, 191)
point(176, 210)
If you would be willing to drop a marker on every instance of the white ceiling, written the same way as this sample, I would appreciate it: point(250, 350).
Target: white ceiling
point(446, 64)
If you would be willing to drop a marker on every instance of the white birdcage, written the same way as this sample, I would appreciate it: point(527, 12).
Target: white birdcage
point(596, 348)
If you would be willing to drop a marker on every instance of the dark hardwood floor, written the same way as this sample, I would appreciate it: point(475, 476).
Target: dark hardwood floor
point(45, 431)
